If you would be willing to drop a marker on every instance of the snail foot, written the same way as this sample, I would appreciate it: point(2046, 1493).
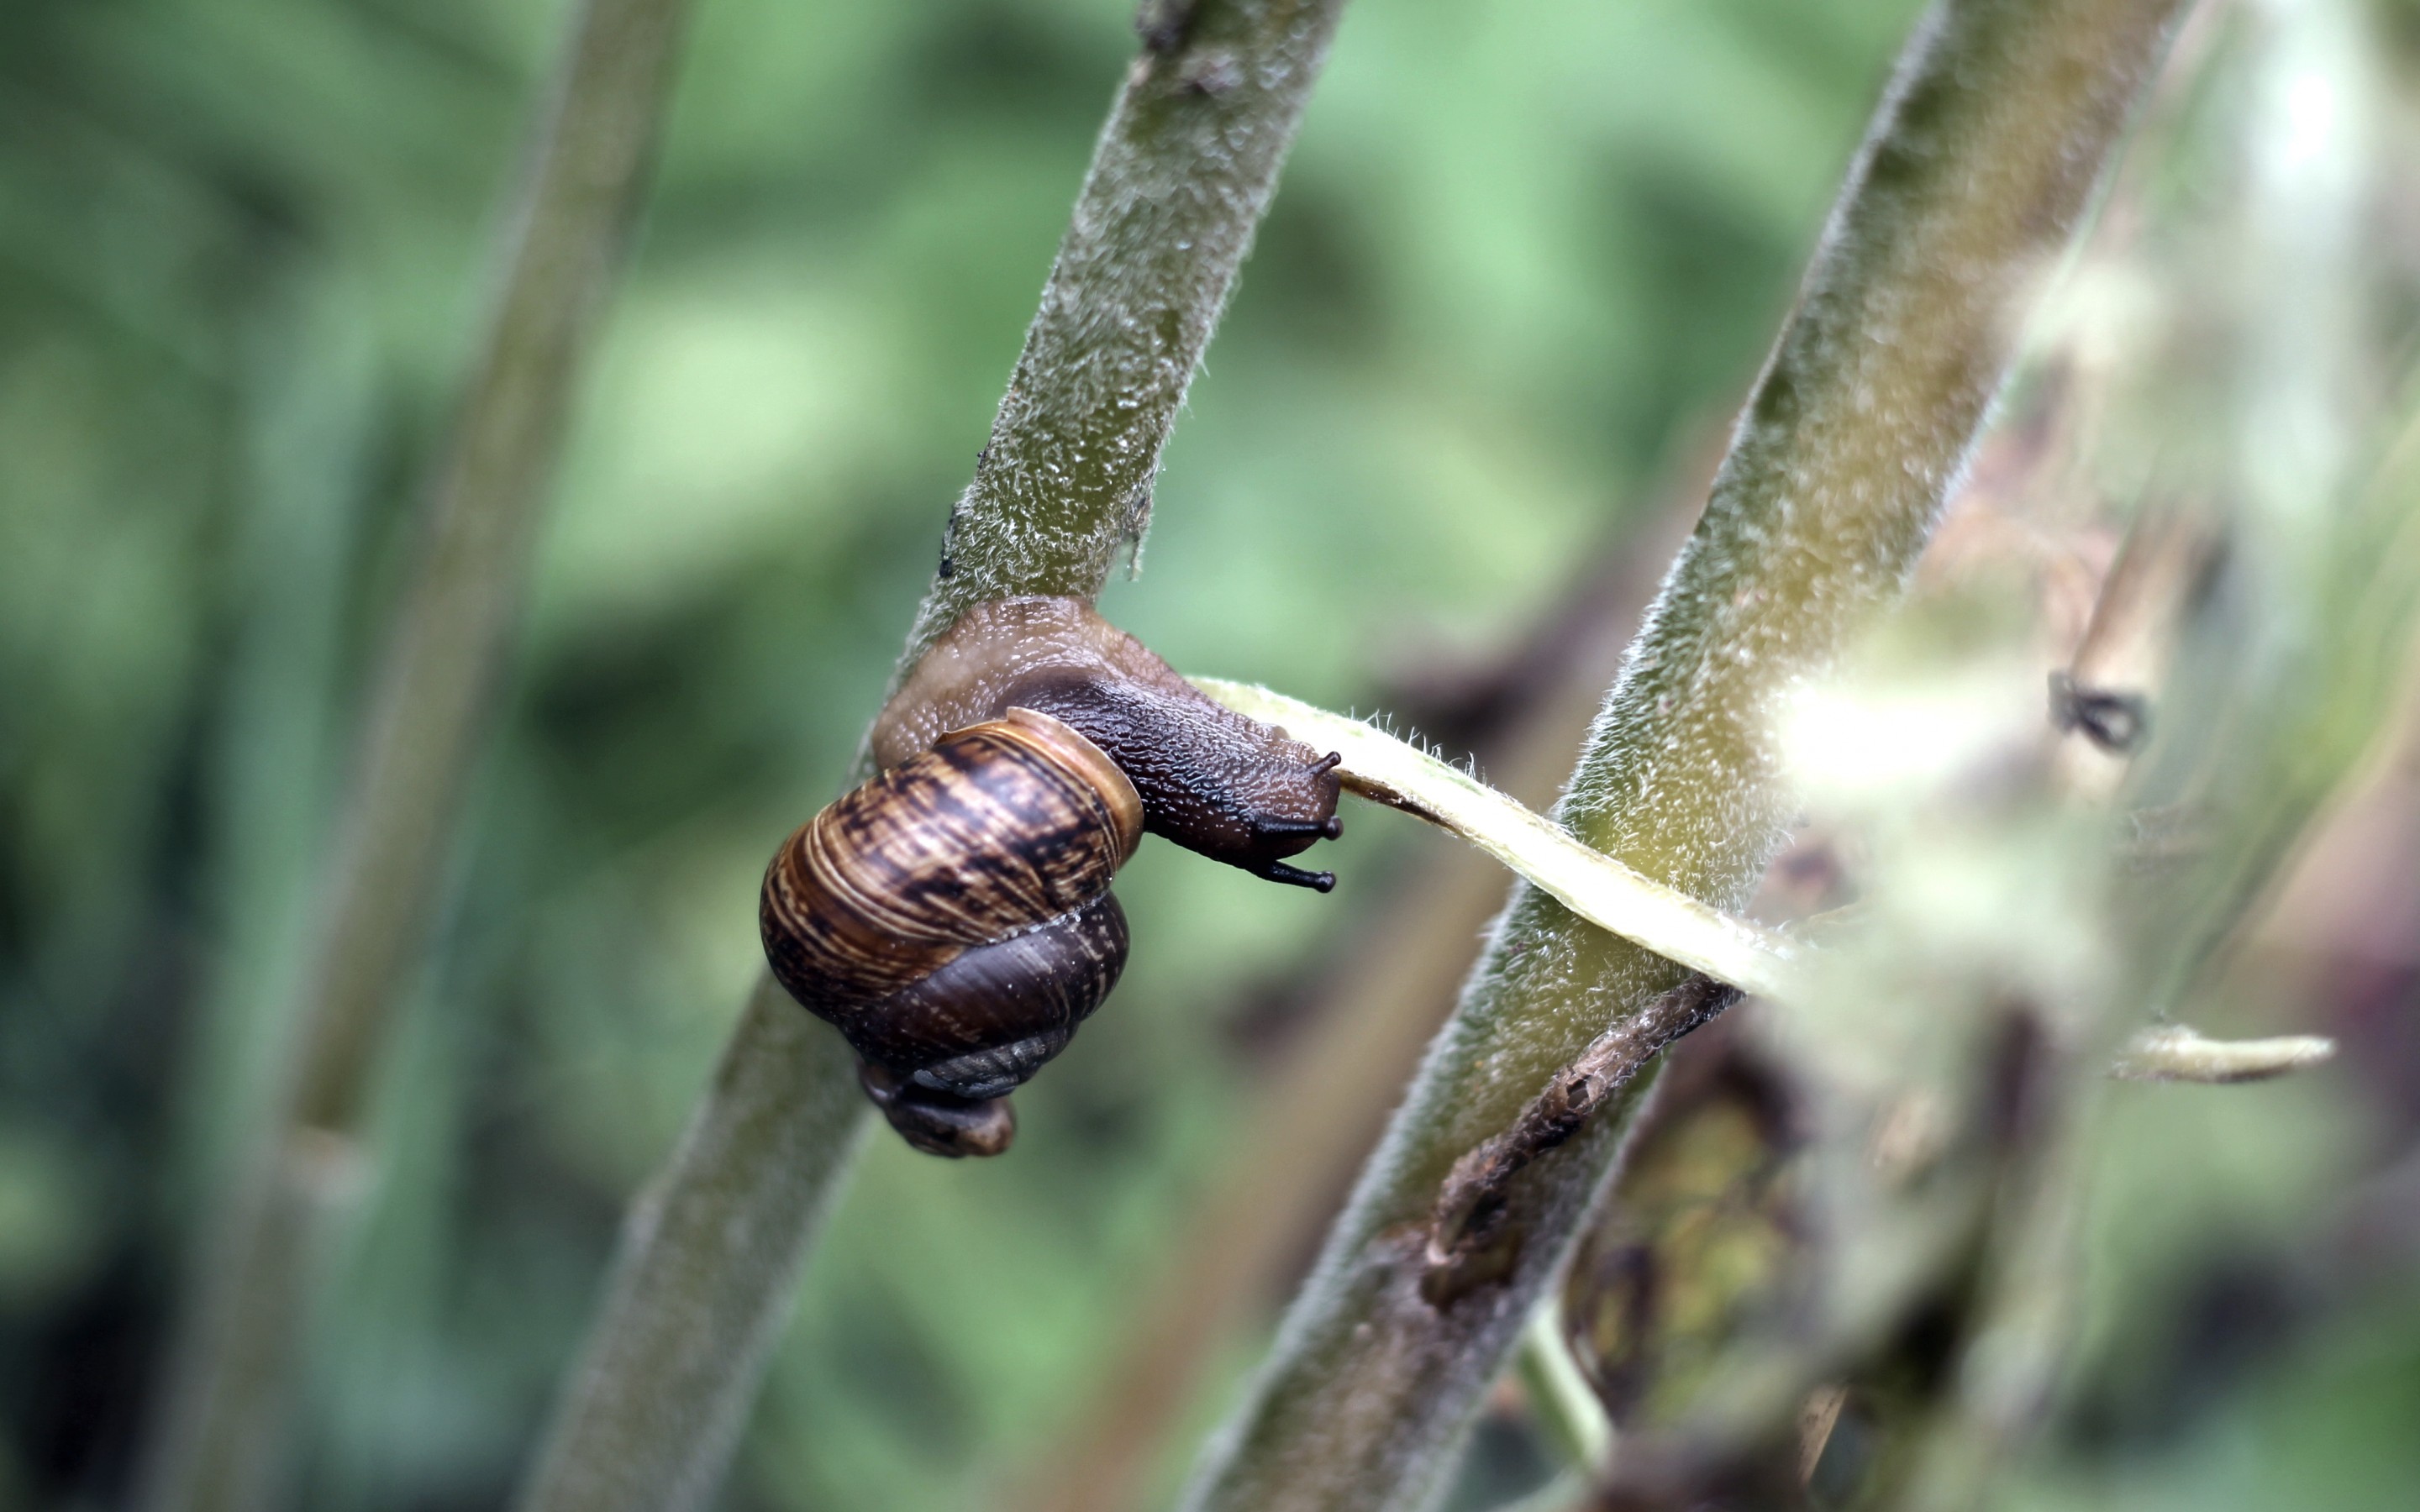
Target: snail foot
point(938, 1122)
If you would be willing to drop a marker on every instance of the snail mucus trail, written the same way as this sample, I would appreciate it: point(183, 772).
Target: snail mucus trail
point(952, 917)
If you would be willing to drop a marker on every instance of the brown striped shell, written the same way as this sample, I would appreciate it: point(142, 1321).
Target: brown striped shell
point(952, 916)
point(998, 829)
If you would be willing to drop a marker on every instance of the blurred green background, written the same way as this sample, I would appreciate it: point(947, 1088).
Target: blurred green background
point(1523, 259)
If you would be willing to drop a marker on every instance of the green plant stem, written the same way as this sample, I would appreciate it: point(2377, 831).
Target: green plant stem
point(1981, 161)
point(710, 1255)
point(1180, 180)
point(709, 1263)
point(1566, 1406)
point(220, 1433)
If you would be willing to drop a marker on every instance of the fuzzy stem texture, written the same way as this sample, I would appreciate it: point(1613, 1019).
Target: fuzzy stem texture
point(1599, 889)
point(221, 1431)
point(1180, 180)
point(1593, 884)
point(710, 1261)
point(1981, 161)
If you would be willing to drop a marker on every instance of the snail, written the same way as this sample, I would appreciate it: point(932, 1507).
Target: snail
point(952, 916)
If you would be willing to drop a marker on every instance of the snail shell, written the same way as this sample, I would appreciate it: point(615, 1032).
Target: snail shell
point(952, 916)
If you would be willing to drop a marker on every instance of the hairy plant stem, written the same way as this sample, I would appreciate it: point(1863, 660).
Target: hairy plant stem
point(219, 1435)
point(1615, 898)
point(1593, 884)
point(1180, 178)
point(1600, 889)
point(1981, 161)
point(711, 1257)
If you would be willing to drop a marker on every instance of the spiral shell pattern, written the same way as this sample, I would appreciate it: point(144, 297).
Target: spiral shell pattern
point(952, 916)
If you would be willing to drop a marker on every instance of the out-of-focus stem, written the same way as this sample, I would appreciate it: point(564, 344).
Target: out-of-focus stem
point(222, 1425)
point(2176, 1053)
point(2295, 685)
point(1981, 161)
point(1565, 1406)
point(1180, 178)
point(710, 1254)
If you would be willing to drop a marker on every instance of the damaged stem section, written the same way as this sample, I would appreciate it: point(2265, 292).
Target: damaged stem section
point(710, 1257)
point(1984, 154)
point(1464, 1233)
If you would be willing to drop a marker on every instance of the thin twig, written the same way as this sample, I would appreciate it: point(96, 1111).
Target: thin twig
point(219, 1435)
point(1566, 1408)
point(2176, 1053)
point(1983, 157)
point(1589, 883)
point(707, 1268)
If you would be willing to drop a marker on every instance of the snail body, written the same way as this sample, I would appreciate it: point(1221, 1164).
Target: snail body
point(953, 918)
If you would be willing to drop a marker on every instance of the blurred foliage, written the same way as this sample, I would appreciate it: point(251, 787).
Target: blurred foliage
point(1698, 1240)
point(1522, 258)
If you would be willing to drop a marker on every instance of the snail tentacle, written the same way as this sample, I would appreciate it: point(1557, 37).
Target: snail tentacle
point(1297, 876)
